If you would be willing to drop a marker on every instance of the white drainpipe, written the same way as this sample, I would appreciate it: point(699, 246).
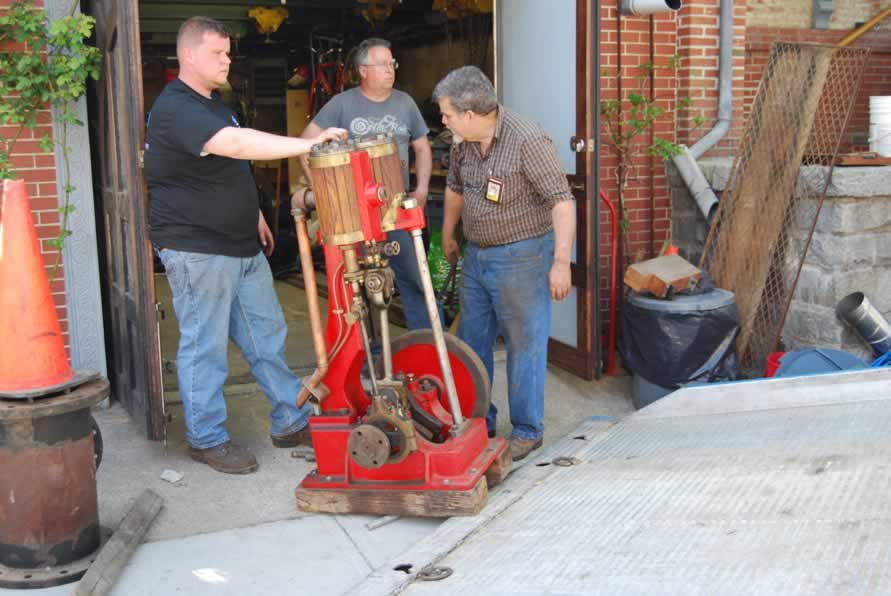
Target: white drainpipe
point(648, 7)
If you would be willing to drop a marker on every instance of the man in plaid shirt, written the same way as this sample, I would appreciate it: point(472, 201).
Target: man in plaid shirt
point(507, 187)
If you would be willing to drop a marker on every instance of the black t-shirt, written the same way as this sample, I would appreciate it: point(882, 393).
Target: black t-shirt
point(197, 204)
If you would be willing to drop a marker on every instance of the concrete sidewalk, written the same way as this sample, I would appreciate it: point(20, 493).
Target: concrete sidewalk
point(242, 535)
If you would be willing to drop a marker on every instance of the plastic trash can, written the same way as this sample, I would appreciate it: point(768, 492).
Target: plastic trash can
point(669, 343)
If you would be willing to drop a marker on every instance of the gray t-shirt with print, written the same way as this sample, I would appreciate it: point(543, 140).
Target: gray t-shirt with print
point(398, 115)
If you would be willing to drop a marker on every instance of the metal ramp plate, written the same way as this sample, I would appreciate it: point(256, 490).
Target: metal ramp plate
point(777, 497)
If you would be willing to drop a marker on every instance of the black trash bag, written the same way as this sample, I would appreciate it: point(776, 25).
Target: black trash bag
point(705, 285)
point(672, 349)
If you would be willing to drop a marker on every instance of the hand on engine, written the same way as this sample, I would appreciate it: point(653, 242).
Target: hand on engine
point(331, 134)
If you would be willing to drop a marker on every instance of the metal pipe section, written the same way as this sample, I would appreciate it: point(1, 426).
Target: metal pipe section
point(438, 338)
point(49, 507)
point(369, 358)
point(685, 162)
point(696, 183)
point(858, 312)
point(648, 7)
point(725, 84)
point(386, 348)
point(312, 302)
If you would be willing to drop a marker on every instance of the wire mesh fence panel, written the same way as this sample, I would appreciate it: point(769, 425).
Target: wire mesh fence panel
point(783, 166)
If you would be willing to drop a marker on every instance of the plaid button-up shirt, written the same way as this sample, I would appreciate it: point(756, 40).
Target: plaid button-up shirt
point(525, 159)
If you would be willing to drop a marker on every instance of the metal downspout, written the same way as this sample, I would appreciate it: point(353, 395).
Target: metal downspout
point(685, 162)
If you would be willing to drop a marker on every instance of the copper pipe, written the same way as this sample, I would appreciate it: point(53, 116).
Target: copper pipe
point(312, 301)
point(864, 28)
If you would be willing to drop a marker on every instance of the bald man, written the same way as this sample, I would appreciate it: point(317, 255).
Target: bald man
point(207, 228)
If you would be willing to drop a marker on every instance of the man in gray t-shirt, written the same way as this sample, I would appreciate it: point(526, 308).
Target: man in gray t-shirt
point(375, 108)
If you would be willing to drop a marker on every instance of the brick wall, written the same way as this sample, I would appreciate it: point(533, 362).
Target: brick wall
point(626, 44)
point(38, 170)
point(876, 78)
point(698, 46)
point(799, 14)
point(847, 14)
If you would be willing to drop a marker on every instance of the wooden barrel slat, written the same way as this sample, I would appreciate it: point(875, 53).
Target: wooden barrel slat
point(336, 201)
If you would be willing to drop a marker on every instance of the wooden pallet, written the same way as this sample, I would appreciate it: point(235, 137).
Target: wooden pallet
point(407, 502)
point(500, 468)
point(402, 502)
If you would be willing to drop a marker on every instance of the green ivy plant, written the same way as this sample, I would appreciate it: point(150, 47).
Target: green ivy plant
point(626, 121)
point(44, 65)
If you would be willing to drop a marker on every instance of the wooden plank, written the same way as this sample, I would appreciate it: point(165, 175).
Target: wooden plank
point(104, 572)
point(776, 183)
point(659, 276)
point(867, 158)
point(738, 253)
point(402, 502)
point(499, 469)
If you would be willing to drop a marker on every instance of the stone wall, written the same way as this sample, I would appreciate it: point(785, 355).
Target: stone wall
point(688, 226)
point(850, 252)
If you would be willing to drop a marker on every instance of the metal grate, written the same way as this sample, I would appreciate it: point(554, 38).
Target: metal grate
point(783, 166)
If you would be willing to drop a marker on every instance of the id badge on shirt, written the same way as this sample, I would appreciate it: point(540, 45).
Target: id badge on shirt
point(494, 188)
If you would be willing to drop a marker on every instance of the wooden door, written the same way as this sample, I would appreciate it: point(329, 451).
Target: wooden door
point(134, 358)
point(547, 60)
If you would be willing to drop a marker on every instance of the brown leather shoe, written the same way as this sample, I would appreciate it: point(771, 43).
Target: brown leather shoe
point(228, 458)
point(520, 448)
point(298, 437)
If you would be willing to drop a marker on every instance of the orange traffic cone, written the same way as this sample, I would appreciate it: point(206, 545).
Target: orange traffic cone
point(32, 353)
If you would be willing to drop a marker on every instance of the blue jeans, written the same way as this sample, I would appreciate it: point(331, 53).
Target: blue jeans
point(408, 281)
point(215, 298)
point(505, 290)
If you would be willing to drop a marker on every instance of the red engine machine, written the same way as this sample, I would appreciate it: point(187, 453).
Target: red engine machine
point(411, 437)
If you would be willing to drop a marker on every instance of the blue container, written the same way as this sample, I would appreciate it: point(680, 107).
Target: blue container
point(816, 361)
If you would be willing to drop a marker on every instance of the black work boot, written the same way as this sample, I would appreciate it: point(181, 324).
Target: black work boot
point(228, 458)
point(298, 437)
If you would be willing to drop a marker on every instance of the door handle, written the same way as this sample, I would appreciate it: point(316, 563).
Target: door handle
point(580, 145)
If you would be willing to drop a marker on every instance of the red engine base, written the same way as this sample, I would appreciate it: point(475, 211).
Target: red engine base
point(457, 464)
point(444, 475)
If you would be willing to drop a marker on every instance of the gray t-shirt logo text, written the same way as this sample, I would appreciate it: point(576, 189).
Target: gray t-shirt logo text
point(361, 127)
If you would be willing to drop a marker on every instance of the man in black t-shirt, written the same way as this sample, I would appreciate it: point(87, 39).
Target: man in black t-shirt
point(208, 230)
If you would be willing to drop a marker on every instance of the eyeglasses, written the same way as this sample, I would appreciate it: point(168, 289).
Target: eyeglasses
point(391, 63)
